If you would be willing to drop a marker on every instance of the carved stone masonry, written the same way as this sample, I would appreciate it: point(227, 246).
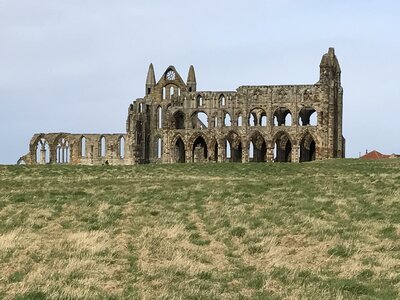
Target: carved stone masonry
point(174, 122)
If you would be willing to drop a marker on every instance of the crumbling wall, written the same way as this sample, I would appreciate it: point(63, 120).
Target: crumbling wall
point(174, 122)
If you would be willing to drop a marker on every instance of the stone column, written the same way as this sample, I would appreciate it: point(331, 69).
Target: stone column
point(53, 155)
point(245, 153)
point(221, 152)
point(188, 154)
point(270, 154)
point(295, 153)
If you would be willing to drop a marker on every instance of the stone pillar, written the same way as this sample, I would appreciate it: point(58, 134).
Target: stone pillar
point(245, 153)
point(221, 152)
point(188, 154)
point(295, 118)
point(295, 153)
point(270, 154)
point(53, 155)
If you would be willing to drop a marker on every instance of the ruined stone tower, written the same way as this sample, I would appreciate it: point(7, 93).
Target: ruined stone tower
point(174, 122)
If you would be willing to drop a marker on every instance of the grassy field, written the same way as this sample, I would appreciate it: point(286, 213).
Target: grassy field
point(320, 230)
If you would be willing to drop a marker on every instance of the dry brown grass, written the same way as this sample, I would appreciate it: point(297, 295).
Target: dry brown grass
point(326, 230)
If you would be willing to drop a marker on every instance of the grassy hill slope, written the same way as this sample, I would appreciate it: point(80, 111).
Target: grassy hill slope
point(320, 230)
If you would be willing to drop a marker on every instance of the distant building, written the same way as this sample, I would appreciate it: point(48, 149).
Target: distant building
point(377, 155)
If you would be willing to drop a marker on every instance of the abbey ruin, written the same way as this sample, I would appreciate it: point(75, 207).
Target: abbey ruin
point(174, 122)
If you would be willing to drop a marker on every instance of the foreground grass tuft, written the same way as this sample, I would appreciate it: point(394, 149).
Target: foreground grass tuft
point(320, 230)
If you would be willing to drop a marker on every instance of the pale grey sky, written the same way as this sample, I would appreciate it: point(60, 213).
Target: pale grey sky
point(75, 66)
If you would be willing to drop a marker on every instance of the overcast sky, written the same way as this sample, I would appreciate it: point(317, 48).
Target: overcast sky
point(75, 66)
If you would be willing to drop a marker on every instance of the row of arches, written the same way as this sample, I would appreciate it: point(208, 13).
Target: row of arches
point(170, 91)
point(63, 151)
point(103, 147)
point(200, 101)
point(257, 117)
point(281, 116)
point(230, 148)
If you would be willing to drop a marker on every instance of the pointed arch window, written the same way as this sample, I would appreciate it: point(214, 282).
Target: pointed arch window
point(42, 152)
point(221, 100)
point(227, 120)
point(159, 148)
point(199, 101)
point(83, 146)
point(121, 147)
point(102, 147)
point(240, 121)
point(62, 151)
point(159, 117)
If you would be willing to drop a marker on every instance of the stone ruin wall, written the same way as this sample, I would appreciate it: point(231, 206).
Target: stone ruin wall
point(174, 122)
point(84, 149)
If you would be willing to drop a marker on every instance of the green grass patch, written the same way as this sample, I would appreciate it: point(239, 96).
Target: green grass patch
point(320, 230)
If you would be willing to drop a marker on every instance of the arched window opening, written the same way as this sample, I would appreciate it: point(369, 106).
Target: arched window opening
point(62, 151)
point(251, 152)
point(83, 146)
point(180, 153)
point(275, 121)
point(179, 91)
point(159, 148)
point(263, 120)
point(102, 147)
point(282, 117)
point(308, 116)
point(199, 120)
point(314, 119)
point(228, 150)
point(140, 107)
point(221, 100)
point(240, 121)
point(42, 152)
point(282, 148)
point(237, 152)
point(227, 120)
point(159, 117)
point(288, 120)
point(121, 147)
point(215, 121)
point(164, 93)
point(171, 92)
point(307, 149)
point(199, 151)
point(179, 120)
point(259, 148)
point(257, 117)
point(235, 147)
point(199, 101)
point(252, 119)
